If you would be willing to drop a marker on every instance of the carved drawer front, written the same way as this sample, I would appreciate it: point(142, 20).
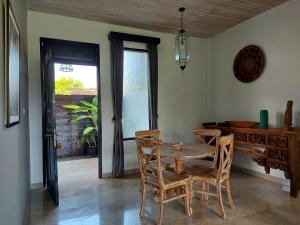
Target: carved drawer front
point(257, 139)
point(278, 159)
point(261, 161)
point(278, 141)
point(240, 136)
point(278, 154)
point(280, 166)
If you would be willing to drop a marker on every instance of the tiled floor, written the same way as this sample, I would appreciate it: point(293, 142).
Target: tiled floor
point(90, 201)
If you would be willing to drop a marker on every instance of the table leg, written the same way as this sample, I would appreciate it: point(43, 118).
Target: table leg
point(293, 188)
point(179, 166)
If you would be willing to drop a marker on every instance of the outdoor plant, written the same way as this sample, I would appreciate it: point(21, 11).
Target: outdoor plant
point(87, 111)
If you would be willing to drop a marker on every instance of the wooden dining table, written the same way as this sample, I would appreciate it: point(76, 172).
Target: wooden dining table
point(186, 151)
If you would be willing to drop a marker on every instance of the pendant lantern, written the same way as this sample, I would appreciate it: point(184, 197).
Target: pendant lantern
point(182, 45)
point(66, 68)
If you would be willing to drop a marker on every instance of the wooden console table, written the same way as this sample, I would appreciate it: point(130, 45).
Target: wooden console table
point(274, 148)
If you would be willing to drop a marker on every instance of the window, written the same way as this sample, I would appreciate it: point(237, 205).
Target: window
point(135, 92)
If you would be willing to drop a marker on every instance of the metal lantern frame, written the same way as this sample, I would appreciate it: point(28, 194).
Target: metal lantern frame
point(182, 45)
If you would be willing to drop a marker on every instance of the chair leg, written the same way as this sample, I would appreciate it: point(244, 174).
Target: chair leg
point(190, 191)
point(161, 211)
point(187, 201)
point(228, 190)
point(205, 187)
point(207, 190)
point(144, 192)
point(219, 196)
point(203, 196)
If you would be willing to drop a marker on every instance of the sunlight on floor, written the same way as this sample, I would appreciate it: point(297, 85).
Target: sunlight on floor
point(76, 174)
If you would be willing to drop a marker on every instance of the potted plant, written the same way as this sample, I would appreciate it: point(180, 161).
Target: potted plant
point(89, 139)
point(86, 111)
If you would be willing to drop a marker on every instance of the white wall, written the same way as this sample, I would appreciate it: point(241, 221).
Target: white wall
point(278, 32)
point(183, 99)
point(14, 141)
point(208, 90)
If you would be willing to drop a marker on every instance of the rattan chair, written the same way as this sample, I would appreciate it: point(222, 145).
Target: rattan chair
point(216, 175)
point(204, 136)
point(154, 134)
point(157, 177)
point(207, 136)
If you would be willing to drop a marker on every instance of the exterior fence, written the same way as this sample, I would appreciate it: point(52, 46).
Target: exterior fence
point(68, 133)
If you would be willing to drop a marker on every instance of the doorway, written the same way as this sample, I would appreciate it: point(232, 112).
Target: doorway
point(71, 113)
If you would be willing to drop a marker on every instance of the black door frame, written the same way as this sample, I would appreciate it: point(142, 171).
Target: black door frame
point(43, 46)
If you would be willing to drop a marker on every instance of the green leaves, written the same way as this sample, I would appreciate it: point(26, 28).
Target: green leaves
point(71, 106)
point(77, 118)
point(86, 111)
point(95, 101)
point(88, 104)
point(63, 85)
point(87, 130)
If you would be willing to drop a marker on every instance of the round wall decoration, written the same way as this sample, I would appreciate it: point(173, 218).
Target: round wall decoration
point(249, 63)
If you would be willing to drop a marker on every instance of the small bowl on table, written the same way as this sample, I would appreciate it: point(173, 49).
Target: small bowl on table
point(242, 124)
point(177, 146)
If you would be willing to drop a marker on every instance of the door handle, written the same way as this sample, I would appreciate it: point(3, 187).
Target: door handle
point(54, 135)
point(57, 145)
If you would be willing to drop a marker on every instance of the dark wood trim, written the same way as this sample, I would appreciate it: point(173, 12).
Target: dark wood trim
point(7, 8)
point(67, 42)
point(133, 37)
point(9, 124)
point(54, 42)
point(145, 51)
point(135, 50)
point(43, 46)
point(129, 139)
point(42, 61)
point(100, 172)
point(73, 62)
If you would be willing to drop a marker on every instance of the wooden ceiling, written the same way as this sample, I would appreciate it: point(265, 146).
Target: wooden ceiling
point(203, 18)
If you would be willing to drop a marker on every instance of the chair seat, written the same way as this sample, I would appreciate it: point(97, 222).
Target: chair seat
point(169, 175)
point(165, 163)
point(198, 162)
point(202, 172)
point(172, 179)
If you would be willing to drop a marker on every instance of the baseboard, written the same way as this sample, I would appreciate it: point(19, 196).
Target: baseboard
point(126, 173)
point(237, 168)
point(104, 176)
point(27, 209)
point(36, 186)
point(260, 175)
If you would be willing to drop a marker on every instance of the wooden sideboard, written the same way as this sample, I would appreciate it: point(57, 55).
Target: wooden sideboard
point(274, 148)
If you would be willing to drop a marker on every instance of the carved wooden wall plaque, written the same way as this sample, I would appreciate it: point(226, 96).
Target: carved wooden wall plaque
point(249, 63)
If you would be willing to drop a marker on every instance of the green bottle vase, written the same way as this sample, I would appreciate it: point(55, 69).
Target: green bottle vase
point(264, 119)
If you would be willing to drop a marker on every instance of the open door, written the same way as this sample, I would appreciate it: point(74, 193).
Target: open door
point(49, 135)
point(66, 52)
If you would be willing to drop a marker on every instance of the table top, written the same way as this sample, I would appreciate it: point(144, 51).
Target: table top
point(188, 151)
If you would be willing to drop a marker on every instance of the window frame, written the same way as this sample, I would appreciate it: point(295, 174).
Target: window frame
point(149, 90)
